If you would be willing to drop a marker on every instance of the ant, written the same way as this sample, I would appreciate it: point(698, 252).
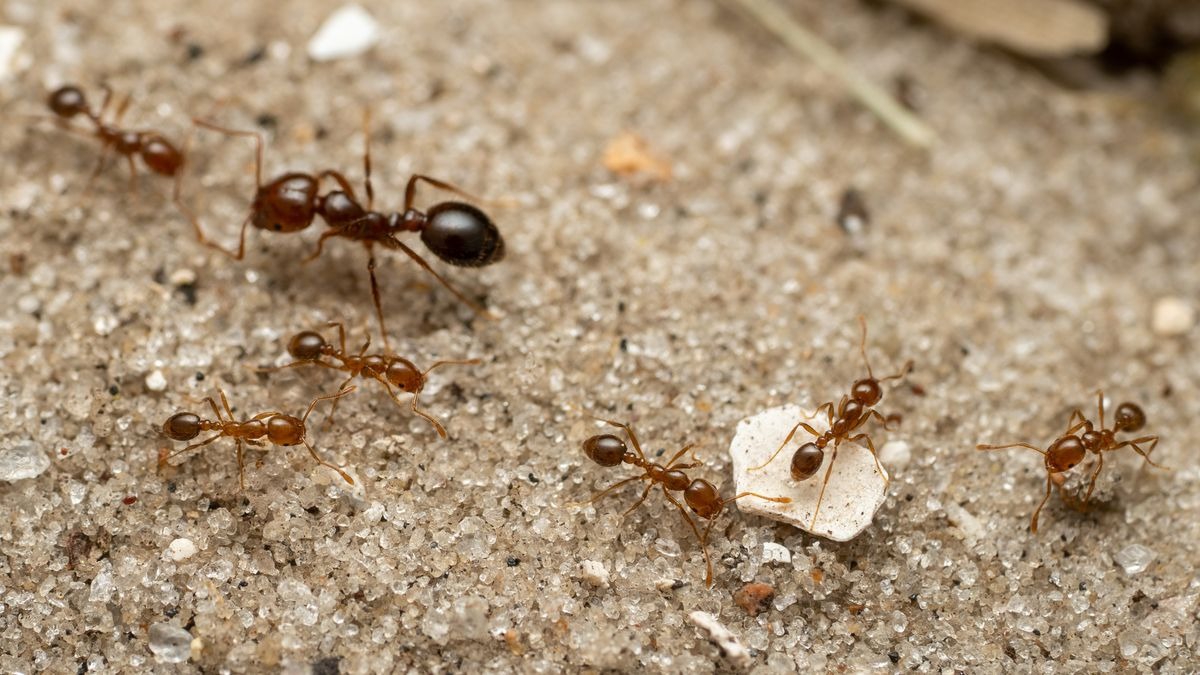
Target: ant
point(458, 233)
point(1082, 437)
point(701, 497)
point(854, 410)
point(308, 347)
point(157, 153)
point(272, 426)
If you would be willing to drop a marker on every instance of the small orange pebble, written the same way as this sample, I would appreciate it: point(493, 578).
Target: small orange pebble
point(817, 575)
point(755, 598)
point(629, 154)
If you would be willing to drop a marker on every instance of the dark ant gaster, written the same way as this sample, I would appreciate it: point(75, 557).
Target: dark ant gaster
point(701, 497)
point(854, 410)
point(271, 427)
point(157, 153)
point(1082, 437)
point(393, 372)
point(458, 233)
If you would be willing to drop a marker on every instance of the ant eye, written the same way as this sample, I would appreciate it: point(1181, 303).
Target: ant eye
point(462, 235)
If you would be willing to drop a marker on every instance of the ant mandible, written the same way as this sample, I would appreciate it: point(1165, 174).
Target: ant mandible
point(157, 153)
point(854, 410)
point(1082, 437)
point(393, 372)
point(458, 233)
point(700, 495)
point(271, 427)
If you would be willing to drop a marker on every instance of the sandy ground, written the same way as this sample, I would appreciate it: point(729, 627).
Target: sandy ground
point(1016, 263)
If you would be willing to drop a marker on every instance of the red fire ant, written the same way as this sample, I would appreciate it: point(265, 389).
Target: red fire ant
point(854, 410)
point(393, 372)
point(157, 153)
point(271, 427)
point(701, 497)
point(1080, 438)
point(458, 233)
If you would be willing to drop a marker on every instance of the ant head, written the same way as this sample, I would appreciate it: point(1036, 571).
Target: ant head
point(866, 391)
point(285, 430)
point(403, 375)
point(806, 461)
point(703, 498)
point(462, 235)
point(1129, 417)
point(286, 204)
point(157, 152)
point(605, 449)
point(182, 426)
point(1065, 454)
point(67, 102)
point(307, 345)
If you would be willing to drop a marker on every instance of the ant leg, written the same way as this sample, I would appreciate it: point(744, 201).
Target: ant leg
point(779, 449)
point(121, 108)
point(1010, 445)
point(629, 431)
point(1095, 475)
point(877, 415)
point(341, 334)
point(100, 164)
point(410, 190)
point(679, 454)
point(162, 460)
point(294, 364)
point(703, 538)
point(341, 180)
point(225, 402)
point(824, 484)
point(645, 493)
point(612, 487)
point(1033, 523)
point(132, 176)
point(779, 500)
point(1144, 452)
point(375, 296)
point(462, 362)
point(393, 242)
point(437, 426)
point(326, 397)
point(367, 158)
point(258, 144)
point(336, 401)
point(827, 407)
point(1100, 406)
point(312, 451)
point(1073, 425)
point(213, 404)
point(241, 455)
point(874, 455)
point(320, 246)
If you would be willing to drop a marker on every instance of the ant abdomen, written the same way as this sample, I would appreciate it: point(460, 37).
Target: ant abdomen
point(182, 426)
point(67, 102)
point(462, 235)
point(287, 204)
point(806, 460)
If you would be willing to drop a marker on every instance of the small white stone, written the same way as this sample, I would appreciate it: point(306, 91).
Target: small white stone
point(723, 638)
point(594, 573)
point(347, 32)
point(11, 38)
point(1134, 558)
point(1172, 316)
point(180, 549)
point(855, 491)
point(183, 277)
point(170, 644)
point(776, 553)
point(895, 453)
point(156, 381)
point(22, 460)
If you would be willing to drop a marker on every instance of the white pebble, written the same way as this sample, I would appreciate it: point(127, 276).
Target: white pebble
point(855, 491)
point(347, 32)
point(895, 453)
point(11, 38)
point(1172, 316)
point(723, 638)
point(776, 553)
point(170, 644)
point(156, 381)
point(22, 460)
point(1134, 558)
point(594, 573)
point(183, 277)
point(180, 549)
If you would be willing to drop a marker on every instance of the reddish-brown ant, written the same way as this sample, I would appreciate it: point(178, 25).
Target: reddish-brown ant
point(157, 153)
point(1082, 437)
point(310, 348)
point(701, 497)
point(271, 427)
point(854, 410)
point(456, 232)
